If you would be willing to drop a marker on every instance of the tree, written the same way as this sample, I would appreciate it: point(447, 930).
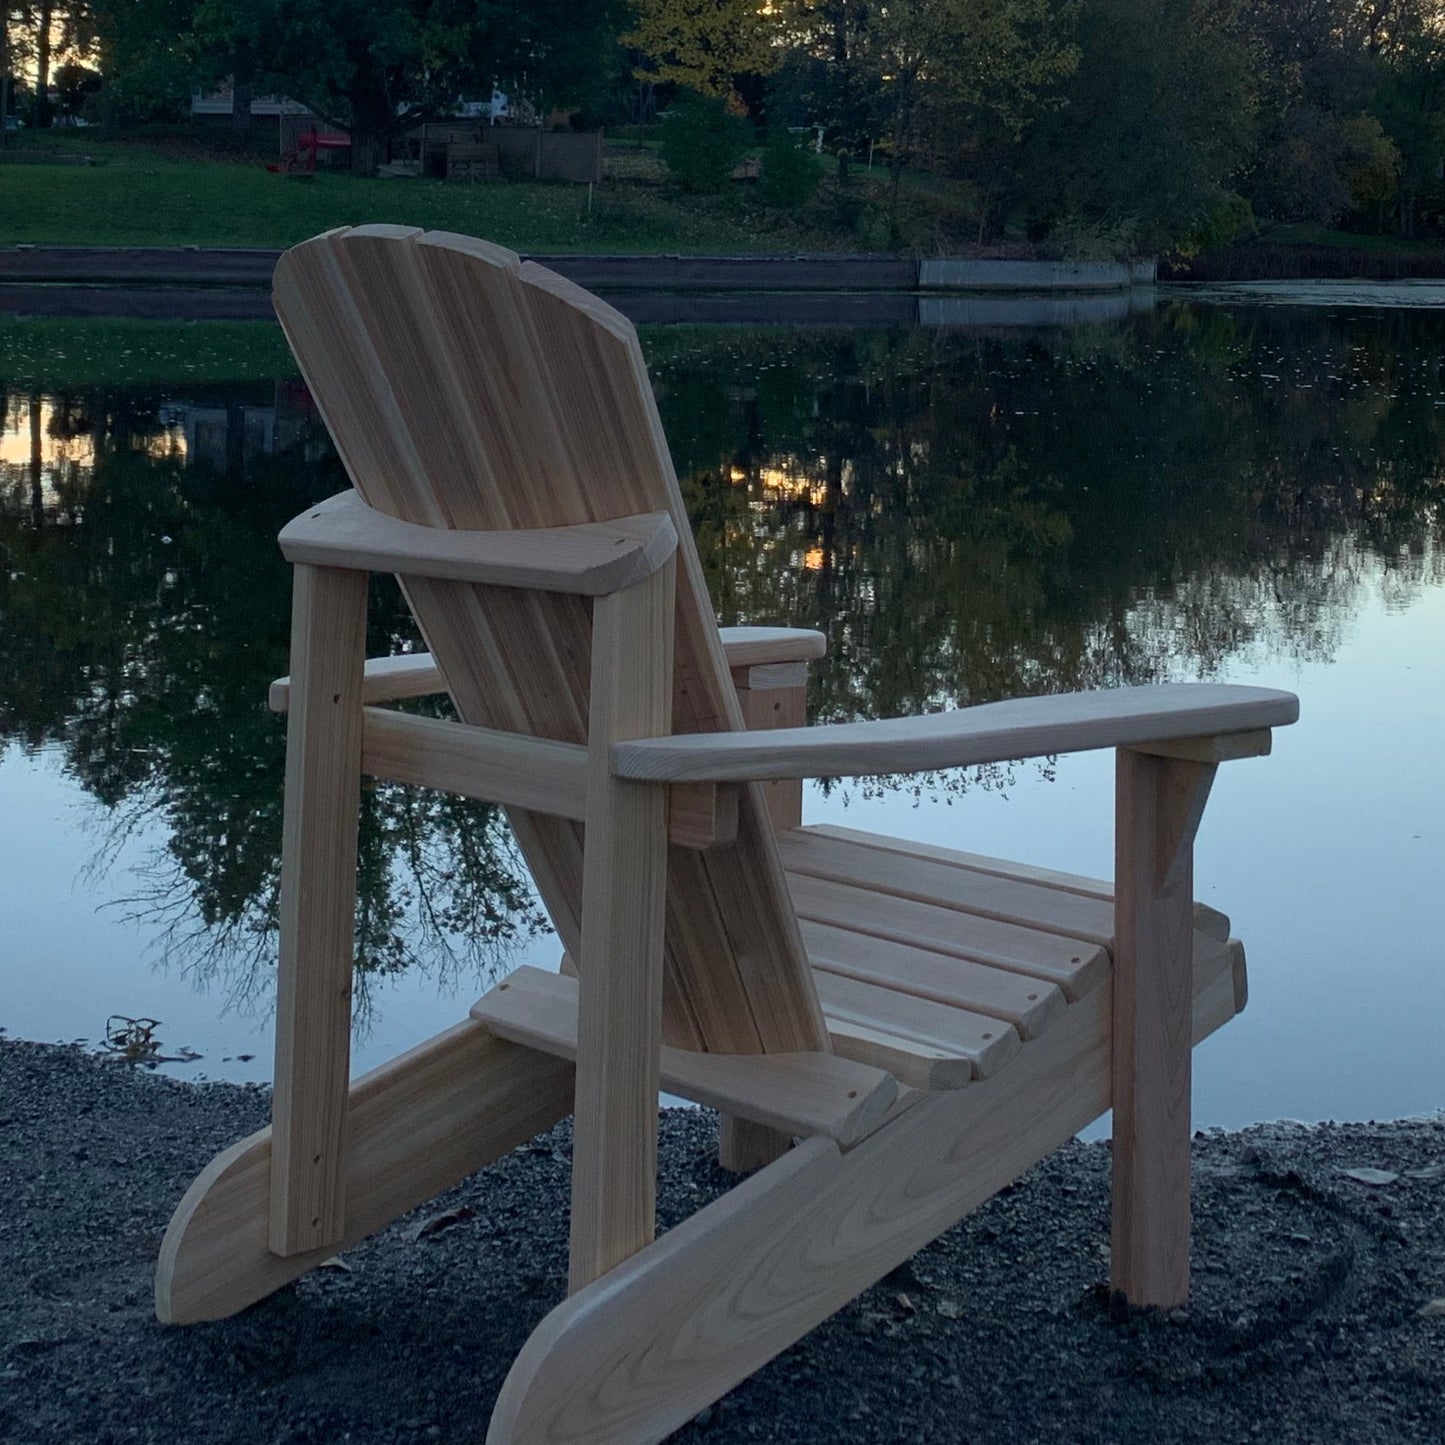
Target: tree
point(146, 53)
point(73, 84)
point(1409, 99)
point(704, 45)
point(376, 68)
point(701, 142)
point(1157, 125)
point(943, 74)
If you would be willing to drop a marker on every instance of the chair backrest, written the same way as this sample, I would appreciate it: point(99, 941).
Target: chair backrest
point(465, 389)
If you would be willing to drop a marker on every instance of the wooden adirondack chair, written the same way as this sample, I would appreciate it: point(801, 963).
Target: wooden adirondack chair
point(925, 1024)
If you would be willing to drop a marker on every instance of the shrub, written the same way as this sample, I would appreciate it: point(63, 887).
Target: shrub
point(701, 143)
point(790, 174)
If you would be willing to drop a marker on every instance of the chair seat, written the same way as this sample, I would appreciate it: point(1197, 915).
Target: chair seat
point(938, 965)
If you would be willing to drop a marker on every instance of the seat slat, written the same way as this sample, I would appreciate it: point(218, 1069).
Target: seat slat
point(979, 1044)
point(1075, 965)
point(804, 1093)
point(1029, 1005)
point(1050, 910)
point(1208, 920)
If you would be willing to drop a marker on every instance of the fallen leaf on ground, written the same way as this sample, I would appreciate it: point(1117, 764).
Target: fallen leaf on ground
point(905, 1304)
point(438, 1222)
point(1434, 1171)
point(950, 1309)
point(1371, 1176)
point(336, 1262)
point(1433, 1307)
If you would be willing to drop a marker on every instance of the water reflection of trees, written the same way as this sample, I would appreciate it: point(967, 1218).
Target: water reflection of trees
point(975, 517)
point(966, 516)
point(143, 609)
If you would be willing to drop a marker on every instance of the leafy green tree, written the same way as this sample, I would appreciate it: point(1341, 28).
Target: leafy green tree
point(1156, 124)
point(146, 55)
point(790, 174)
point(1407, 43)
point(930, 77)
point(705, 45)
point(702, 142)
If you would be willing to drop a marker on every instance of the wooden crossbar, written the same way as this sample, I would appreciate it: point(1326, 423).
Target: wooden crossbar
point(519, 771)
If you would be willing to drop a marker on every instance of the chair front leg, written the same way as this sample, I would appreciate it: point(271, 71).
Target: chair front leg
point(318, 904)
point(1158, 806)
point(624, 884)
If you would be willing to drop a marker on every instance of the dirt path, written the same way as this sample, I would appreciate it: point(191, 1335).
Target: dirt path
point(1311, 1321)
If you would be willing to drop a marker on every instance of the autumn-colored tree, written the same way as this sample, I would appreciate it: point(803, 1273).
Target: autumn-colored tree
point(704, 45)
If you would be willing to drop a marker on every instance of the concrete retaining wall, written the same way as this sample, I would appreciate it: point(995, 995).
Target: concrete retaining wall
point(946, 275)
point(196, 266)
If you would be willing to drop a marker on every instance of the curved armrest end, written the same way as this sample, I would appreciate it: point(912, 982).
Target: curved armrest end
point(760, 646)
point(591, 559)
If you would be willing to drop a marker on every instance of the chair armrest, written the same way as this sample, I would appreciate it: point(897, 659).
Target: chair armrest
point(991, 733)
point(755, 646)
point(591, 560)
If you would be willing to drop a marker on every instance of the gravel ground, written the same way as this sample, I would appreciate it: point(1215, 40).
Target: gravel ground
point(1318, 1312)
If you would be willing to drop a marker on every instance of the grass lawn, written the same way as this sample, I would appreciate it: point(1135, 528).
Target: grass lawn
point(1301, 233)
point(59, 354)
point(142, 195)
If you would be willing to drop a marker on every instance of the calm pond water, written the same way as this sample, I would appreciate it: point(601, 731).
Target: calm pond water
point(1194, 492)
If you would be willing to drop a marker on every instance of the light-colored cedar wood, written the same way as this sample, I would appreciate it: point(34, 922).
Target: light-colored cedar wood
point(962, 1045)
point(765, 676)
point(589, 560)
point(641, 1351)
point(702, 815)
point(1185, 791)
point(495, 767)
point(1028, 1004)
point(770, 674)
point(415, 674)
point(467, 391)
point(777, 707)
point(384, 679)
point(318, 903)
point(1156, 814)
point(991, 733)
point(914, 1064)
point(1220, 748)
point(524, 772)
point(470, 394)
point(1075, 965)
point(1208, 920)
point(624, 888)
point(884, 871)
point(416, 1126)
point(759, 646)
point(795, 1093)
point(744, 1147)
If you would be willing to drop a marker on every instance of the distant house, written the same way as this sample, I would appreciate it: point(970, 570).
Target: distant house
point(222, 101)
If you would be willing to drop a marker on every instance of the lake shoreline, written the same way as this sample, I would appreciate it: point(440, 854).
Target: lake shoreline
point(1312, 1316)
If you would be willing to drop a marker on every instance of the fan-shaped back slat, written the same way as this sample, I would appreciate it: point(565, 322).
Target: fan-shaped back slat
point(464, 389)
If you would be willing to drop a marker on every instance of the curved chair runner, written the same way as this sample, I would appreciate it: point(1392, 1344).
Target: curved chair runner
point(925, 1024)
